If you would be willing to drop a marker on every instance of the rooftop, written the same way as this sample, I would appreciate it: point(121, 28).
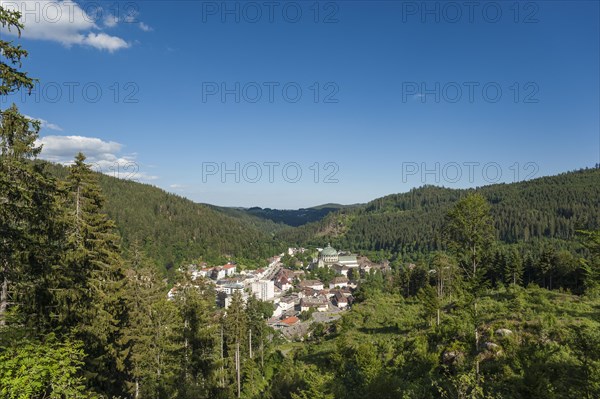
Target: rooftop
point(290, 320)
point(328, 251)
point(308, 283)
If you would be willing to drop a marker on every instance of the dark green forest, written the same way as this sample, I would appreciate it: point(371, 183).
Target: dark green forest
point(288, 217)
point(489, 293)
point(544, 208)
point(172, 229)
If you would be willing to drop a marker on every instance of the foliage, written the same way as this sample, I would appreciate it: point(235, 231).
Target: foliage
point(43, 369)
point(84, 312)
point(385, 348)
point(553, 207)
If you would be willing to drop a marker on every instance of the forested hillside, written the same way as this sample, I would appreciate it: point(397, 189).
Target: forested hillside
point(171, 229)
point(288, 217)
point(548, 207)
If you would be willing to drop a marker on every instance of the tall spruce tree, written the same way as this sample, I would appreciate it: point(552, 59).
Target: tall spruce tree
point(469, 231)
point(235, 325)
point(513, 269)
point(94, 297)
point(165, 350)
point(144, 290)
point(29, 215)
point(35, 363)
point(591, 266)
point(196, 304)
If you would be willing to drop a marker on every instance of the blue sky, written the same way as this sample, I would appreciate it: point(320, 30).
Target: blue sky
point(394, 94)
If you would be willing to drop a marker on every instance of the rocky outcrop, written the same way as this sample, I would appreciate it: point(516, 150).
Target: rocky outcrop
point(503, 332)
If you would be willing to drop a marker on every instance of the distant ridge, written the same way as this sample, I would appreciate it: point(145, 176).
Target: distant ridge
point(173, 229)
point(552, 207)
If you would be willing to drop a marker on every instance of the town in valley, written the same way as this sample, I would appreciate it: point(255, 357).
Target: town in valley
point(299, 297)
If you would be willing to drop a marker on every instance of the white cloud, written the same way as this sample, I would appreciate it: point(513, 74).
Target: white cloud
point(131, 17)
point(62, 149)
point(102, 41)
point(110, 21)
point(145, 27)
point(103, 156)
point(63, 21)
point(178, 188)
point(45, 124)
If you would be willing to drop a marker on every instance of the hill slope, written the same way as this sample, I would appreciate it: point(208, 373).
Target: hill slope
point(287, 217)
point(548, 207)
point(172, 229)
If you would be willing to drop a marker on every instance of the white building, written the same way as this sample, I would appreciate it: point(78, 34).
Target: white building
point(230, 269)
point(350, 261)
point(320, 303)
point(218, 273)
point(341, 269)
point(263, 289)
point(329, 257)
point(278, 311)
point(340, 282)
point(314, 284)
point(283, 283)
point(294, 251)
point(340, 300)
point(282, 307)
point(230, 288)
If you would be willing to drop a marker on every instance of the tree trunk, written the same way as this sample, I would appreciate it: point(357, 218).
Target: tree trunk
point(262, 355)
point(222, 360)
point(238, 366)
point(4, 301)
point(474, 261)
point(187, 354)
point(77, 207)
point(476, 342)
point(250, 341)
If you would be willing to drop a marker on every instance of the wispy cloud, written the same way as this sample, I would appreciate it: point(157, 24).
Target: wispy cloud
point(63, 22)
point(110, 21)
point(145, 27)
point(45, 124)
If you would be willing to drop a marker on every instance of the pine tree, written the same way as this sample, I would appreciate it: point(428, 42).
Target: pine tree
point(29, 214)
point(196, 304)
point(513, 269)
point(34, 362)
point(235, 325)
point(469, 231)
point(431, 303)
point(165, 349)
point(93, 285)
point(591, 266)
point(144, 290)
